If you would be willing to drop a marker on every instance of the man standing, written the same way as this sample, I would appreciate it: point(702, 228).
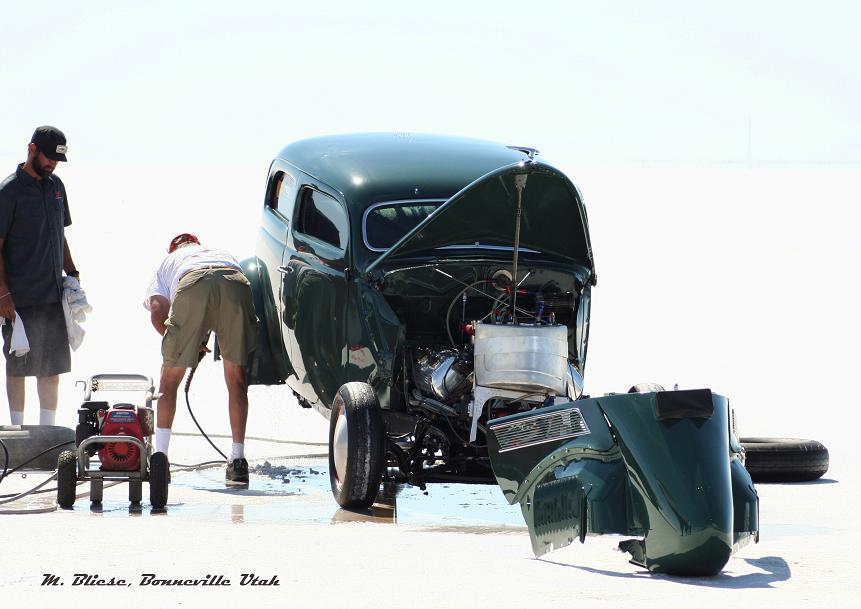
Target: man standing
point(34, 253)
point(196, 290)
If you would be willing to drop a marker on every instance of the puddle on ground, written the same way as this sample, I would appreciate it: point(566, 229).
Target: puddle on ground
point(282, 491)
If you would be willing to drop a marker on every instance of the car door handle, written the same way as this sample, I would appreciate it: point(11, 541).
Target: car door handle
point(285, 269)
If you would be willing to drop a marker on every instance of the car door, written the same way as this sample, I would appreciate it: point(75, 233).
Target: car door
point(271, 244)
point(314, 287)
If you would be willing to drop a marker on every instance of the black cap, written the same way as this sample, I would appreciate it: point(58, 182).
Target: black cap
point(51, 142)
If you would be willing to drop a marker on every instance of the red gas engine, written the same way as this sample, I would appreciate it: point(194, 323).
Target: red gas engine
point(123, 420)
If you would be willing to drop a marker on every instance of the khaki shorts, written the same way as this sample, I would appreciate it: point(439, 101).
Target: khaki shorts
point(219, 300)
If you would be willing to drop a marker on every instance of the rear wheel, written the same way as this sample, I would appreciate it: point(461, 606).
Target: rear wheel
point(356, 446)
point(67, 478)
point(784, 459)
point(159, 478)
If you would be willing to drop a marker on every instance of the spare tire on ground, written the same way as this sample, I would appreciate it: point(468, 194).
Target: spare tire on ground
point(784, 459)
point(25, 442)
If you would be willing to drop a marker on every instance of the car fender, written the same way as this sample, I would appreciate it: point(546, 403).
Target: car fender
point(268, 364)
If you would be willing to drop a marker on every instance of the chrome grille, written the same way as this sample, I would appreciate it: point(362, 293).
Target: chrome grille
point(538, 429)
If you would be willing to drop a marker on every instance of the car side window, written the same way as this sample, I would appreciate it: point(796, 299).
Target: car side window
point(322, 217)
point(281, 192)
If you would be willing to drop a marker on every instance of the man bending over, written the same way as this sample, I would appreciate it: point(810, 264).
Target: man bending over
point(196, 290)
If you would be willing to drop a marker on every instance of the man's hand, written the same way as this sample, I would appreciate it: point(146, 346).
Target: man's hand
point(7, 307)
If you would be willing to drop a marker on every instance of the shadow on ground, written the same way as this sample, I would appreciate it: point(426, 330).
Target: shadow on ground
point(773, 570)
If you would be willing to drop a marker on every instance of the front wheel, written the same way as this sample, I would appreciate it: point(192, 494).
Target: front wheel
point(356, 446)
point(67, 478)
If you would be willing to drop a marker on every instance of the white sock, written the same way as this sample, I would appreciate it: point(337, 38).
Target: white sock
point(47, 417)
point(17, 416)
point(162, 439)
point(237, 451)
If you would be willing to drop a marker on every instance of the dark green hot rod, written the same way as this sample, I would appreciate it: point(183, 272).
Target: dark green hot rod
point(430, 296)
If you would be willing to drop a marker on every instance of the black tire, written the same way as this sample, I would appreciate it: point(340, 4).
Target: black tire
point(646, 388)
point(67, 478)
point(784, 459)
point(356, 446)
point(159, 480)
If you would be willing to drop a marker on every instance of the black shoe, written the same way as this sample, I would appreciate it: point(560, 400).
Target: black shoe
point(237, 472)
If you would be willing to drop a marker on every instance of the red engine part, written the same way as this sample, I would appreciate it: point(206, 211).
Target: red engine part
point(120, 456)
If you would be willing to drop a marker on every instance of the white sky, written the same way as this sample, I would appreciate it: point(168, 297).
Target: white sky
point(583, 81)
point(727, 257)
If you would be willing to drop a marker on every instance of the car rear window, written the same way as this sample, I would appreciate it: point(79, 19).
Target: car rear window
point(386, 223)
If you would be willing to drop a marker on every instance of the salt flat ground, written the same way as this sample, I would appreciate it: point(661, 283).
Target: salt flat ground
point(456, 546)
point(741, 280)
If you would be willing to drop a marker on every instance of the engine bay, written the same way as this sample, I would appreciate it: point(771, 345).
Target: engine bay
point(479, 347)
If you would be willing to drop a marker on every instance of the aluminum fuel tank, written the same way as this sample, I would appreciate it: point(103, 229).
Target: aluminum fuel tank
point(521, 357)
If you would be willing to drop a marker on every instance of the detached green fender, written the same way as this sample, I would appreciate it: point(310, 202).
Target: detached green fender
point(658, 466)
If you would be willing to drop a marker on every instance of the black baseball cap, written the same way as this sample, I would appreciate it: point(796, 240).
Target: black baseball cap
point(51, 142)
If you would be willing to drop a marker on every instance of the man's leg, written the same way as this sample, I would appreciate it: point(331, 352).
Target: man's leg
point(237, 401)
point(237, 390)
point(15, 395)
point(48, 388)
point(166, 405)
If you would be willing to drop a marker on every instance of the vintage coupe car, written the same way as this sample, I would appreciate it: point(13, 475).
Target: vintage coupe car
point(430, 296)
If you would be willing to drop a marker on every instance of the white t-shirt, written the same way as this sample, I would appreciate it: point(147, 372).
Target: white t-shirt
point(183, 260)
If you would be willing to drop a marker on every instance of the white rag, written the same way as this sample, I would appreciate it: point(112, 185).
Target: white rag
point(19, 345)
point(75, 308)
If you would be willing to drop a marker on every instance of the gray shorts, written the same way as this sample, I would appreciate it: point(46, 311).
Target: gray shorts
point(210, 299)
point(49, 354)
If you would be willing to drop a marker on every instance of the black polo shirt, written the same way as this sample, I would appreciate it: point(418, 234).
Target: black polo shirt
point(33, 214)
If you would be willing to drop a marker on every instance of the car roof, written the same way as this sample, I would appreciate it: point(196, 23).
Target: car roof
point(368, 168)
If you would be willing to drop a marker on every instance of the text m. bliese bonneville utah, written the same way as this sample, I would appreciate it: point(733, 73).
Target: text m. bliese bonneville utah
point(151, 579)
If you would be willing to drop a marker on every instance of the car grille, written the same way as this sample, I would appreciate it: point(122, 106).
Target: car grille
point(539, 429)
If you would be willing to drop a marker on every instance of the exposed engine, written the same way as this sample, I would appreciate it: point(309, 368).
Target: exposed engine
point(512, 366)
point(444, 373)
point(505, 356)
point(507, 353)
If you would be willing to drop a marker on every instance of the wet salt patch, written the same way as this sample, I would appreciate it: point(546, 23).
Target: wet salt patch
point(284, 492)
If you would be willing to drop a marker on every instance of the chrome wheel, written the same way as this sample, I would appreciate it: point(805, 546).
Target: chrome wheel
point(340, 446)
point(357, 442)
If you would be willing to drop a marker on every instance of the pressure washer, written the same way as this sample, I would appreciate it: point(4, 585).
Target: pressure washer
point(121, 433)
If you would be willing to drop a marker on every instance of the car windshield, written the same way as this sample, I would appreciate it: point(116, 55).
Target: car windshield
point(386, 223)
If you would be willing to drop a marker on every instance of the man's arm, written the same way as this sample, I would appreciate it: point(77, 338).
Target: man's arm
point(68, 263)
point(7, 305)
point(159, 308)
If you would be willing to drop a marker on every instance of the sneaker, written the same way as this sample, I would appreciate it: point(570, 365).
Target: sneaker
point(237, 472)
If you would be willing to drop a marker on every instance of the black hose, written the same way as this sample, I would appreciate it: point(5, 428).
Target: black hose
point(6, 460)
point(188, 404)
point(28, 461)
